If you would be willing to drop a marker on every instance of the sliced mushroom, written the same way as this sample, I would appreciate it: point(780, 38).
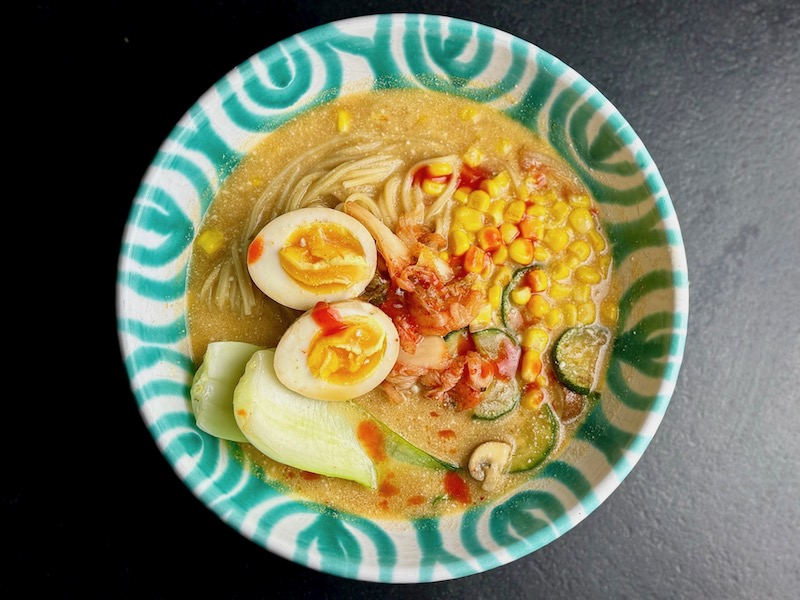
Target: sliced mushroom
point(488, 462)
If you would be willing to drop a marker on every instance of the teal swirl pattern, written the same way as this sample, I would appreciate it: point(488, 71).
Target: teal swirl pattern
point(450, 56)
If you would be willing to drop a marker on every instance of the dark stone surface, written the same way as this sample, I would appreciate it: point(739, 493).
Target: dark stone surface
point(711, 510)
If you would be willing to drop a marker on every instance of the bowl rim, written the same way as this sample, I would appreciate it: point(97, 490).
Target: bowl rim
point(574, 514)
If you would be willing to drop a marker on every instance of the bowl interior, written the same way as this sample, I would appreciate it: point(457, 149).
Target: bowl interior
point(451, 56)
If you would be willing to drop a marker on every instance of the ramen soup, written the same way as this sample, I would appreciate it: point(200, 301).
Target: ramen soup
point(399, 304)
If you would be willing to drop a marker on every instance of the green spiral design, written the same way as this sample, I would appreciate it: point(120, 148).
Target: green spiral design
point(449, 56)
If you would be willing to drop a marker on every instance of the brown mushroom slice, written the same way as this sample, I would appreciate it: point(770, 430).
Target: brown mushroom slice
point(488, 463)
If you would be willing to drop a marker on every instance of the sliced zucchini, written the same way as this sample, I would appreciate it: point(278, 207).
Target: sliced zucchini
point(312, 435)
point(457, 340)
point(212, 388)
point(510, 314)
point(500, 398)
point(489, 341)
point(577, 357)
point(536, 442)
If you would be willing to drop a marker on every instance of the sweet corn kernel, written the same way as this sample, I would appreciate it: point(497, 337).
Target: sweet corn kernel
point(469, 218)
point(560, 210)
point(559, 271)
point(509, 232)
point(520, 295)
point(541, 380)
point(468, 113)
point(538, 306)
point(554, 318)
point(484, 316)
point(581, 220)
point(500, 256)
point(537, 280)
point(473, 156)
point(473, 259)
point(530, 365)
point(479, 200)
point(532, 399)
point(521, 251)
point(587, 274)
point(489, 238)
point(504, 146)
point(535, 210)
point(503, 178)
point(557, 239)
point(491, 187)
point(496, 211)
point(535, 338)
point(515, 211)
point(433, 188)
point(586, 312)
point(571, 262)
point(459, 242)
point(495, 293)
point(541, 254)
point(343, 121)
point(603, 264)
point(541, 199)
point(570, 314)
point(440, 169)
point(580, 249)
point(597, 240)
point(582, 293)
point(210, 241)
point(559, 291)
point(462, 194)
point(444, 255)
point(609, 311)
point(579, 200)
point(528, 228)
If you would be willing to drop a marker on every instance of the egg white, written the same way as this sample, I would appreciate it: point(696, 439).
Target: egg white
point(291, 354)
point(268, 273)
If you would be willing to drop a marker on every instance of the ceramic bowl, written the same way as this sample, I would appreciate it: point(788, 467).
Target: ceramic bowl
point(452, 56)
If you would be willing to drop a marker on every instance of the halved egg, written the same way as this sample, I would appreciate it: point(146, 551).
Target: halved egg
point(312, 255)
point(337, 351)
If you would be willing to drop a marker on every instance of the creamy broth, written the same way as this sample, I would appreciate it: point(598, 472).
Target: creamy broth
point(438, 125)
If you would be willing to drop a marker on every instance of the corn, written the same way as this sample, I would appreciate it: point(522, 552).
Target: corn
point(541, 380)
point(537, 280)
point(515, 211)
point(210, 241)
point(343, 121)
point(503, 178)
point(473, 156)
point(504, 146)
point(479, 200)
point(509, 232)
point(468, 113)
point(538, 306)
point(530, 365)
point(541, 199)
point(609, 311)
point(469, 218)
point(579, 200)
point(444, 255)
point(500, 256)
point(581, 220)
point(571, 262)
point(495, 294)
point(559, 291)
point(484, 316)
point(560, 210)
point(521, 251)
point(557, 239)
point(541, 254)
point(535, 338)
point(580, 249)
point(532, 398)
point(535, 210)
point(603, 264)
point(473, 259)
point(597, 240)
point(520, 295)
point(496, 211)
point(459, 241)
point(503, 276)
point(586, 312)
point(489, 238)
point(554, 318)
point(462, 194)
point(440, 169)
point(528, 228)
point(570, 314)
point(581, 293)
point(491, 187)
point(559, 271)
point(433, 188)
point(587, 274)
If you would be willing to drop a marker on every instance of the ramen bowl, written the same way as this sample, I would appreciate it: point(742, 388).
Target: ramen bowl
point(463, 59)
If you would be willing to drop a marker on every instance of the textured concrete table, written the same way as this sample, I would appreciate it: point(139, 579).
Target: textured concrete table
point(711, 511)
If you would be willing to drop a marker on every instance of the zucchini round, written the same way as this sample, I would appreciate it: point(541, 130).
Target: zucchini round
point(577, 356)
point(536, 442)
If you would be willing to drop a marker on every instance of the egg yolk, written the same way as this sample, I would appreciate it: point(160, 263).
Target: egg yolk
point(323, 257)
point(350, 354)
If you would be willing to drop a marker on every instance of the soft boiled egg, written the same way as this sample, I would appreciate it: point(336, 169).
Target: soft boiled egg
point(312, 255)
point(337, 351)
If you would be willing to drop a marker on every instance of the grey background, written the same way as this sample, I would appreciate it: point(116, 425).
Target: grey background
point(711, 510)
